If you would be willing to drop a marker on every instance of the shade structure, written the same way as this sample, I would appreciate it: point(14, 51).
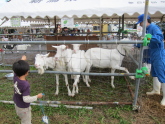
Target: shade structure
point(8, 24)
point(88, 10)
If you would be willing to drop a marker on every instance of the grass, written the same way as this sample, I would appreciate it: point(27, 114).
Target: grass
point(100, 90)
point(63, 115)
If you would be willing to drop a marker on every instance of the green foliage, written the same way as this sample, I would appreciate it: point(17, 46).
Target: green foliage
point(123, 121)
point(116, 113)
point(32, 68)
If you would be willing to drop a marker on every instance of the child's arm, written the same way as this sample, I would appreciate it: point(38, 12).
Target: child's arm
point(29, 99)
point(23, 57)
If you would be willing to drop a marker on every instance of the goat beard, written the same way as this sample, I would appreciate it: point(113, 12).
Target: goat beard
point(40, 71)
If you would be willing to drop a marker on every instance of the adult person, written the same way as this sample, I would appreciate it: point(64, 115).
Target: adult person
point(58, 29)
point(157, 56)
point(65, 32)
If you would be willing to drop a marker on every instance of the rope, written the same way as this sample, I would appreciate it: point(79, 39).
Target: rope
point(42, 108)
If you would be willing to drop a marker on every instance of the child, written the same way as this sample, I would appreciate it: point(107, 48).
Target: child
point(21, 97)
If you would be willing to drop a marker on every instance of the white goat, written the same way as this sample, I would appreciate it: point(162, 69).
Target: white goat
point(22, 47)
point(43, 62)
point(76, 49)
point(75, 63)
point(108, 58)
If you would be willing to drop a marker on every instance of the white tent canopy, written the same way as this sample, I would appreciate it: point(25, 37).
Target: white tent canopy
point(32, 24)
point(2, 2)
point(8, 24)
point(80, 10)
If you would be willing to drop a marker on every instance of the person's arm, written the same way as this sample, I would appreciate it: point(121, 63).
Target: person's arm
point(23, 57)
point(29, 99)
point(157, 36)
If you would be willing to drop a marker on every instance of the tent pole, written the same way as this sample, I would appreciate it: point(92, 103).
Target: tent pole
point(119, 27)
point(49, 23)
point(135, 106)
point(122, 25)
point(55, 24)
point(101, 28)
point(31, 32)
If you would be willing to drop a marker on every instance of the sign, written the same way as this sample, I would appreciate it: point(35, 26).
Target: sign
point(67, 22)
point(15, 22)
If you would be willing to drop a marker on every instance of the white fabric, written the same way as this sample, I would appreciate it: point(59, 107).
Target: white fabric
point(8, 24)
point(81, 8)
point(29, 99)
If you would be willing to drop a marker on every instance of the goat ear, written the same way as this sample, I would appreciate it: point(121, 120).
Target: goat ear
point(54, 46)
point(47, 54)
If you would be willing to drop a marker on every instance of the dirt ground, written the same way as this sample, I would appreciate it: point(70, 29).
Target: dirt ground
point(150, 112)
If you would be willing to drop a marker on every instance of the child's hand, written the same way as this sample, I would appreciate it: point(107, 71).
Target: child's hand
point(40, 95)
point(23, 57)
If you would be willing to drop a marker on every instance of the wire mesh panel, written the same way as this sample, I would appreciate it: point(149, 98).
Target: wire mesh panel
point(100, 86)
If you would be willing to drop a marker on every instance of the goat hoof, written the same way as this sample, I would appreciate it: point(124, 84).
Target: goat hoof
point(69, 94)
point(132, 77)
point(113, 87)
point(56, 94)
point(73, 95)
